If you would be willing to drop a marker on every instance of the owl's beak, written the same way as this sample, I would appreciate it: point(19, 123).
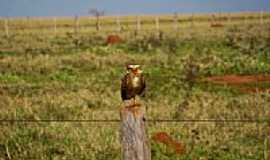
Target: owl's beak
point(134, 71)
point(137, 71)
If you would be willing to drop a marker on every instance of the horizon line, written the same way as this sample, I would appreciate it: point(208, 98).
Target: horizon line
point(142, 14)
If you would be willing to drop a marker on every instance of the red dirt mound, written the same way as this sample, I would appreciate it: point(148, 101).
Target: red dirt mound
point(239, 82)
point(163, 137)
point(238, 79)
point(113, 39)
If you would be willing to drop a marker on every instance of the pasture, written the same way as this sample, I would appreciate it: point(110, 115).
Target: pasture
point(61, 73)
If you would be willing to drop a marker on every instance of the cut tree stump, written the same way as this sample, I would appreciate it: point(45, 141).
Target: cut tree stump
point(135, 143)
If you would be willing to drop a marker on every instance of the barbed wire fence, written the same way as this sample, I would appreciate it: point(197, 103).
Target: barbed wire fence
point(173, 22)
point(210, 133)
point(259, 126)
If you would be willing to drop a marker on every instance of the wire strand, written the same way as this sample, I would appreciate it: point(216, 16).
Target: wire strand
point(147, 120)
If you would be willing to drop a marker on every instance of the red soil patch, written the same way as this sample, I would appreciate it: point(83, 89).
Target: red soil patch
point(217, 25)
point(238, 79)
point(163, 137)
point(113, 39)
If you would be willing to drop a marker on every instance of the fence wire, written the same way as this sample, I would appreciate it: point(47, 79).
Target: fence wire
point(100, 139)
point(146, 120)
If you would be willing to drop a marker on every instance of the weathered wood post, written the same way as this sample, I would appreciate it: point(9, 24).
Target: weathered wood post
point(138, 28)
point(266, 148)
point(192, 20)
point(157, 23)
point(157, 26)
point(76, 25)
point(118, 23)
point(246, 18)
point(261, 17)
point(6, 27)
point(55, 25)
point(212, 19)
point(220, 18)
point(229, 18)
point(175, 20)
point(135, 143)
point(29, 23)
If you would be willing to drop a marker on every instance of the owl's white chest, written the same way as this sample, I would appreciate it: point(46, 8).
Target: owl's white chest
point(135, 81)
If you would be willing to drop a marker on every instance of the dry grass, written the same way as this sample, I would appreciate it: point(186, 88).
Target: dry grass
point(68, 76)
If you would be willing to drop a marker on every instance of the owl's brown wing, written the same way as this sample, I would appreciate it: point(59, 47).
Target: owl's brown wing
point(124, 88)
point(143, 86)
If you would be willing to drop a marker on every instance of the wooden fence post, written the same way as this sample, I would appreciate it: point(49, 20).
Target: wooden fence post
point(134, 140)
point(138, 28)
point(158, 33)
point(266, 148)
point(55, 25)
point(175, 20)
point(245, 18)
point(6, 27)
point(76, 24)
point(219, 18)
point(118, 23)
point(261, 17)
point(229, 18)
point(157, 23)
point(29, 23)
point(192, 20)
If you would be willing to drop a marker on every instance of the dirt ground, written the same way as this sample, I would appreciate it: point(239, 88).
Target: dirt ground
point(163, 137)
point(242, 82)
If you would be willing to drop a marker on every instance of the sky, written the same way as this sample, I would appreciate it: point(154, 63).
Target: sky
point(38, 8)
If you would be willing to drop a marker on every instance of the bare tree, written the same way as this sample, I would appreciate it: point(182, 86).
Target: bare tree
point(97, 13)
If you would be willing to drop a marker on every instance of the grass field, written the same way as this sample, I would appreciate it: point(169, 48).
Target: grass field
point(68, 76)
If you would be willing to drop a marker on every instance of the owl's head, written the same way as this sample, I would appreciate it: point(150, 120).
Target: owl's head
point(134, 68)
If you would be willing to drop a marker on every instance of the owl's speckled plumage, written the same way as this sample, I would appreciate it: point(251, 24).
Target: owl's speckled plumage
point(133, 83)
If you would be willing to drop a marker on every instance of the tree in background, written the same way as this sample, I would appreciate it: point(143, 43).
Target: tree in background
point(97, 13)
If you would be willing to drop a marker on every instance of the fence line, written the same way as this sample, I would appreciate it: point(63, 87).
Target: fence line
point(173, 21)
point(147, 120)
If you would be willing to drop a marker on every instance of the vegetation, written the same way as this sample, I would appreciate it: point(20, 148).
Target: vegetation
point(68, 76)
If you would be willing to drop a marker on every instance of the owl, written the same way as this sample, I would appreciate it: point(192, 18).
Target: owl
point(133, 83)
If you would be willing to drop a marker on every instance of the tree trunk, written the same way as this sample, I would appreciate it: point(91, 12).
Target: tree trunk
point(135, 144)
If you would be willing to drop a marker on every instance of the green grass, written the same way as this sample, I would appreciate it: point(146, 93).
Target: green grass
point(68, 76)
